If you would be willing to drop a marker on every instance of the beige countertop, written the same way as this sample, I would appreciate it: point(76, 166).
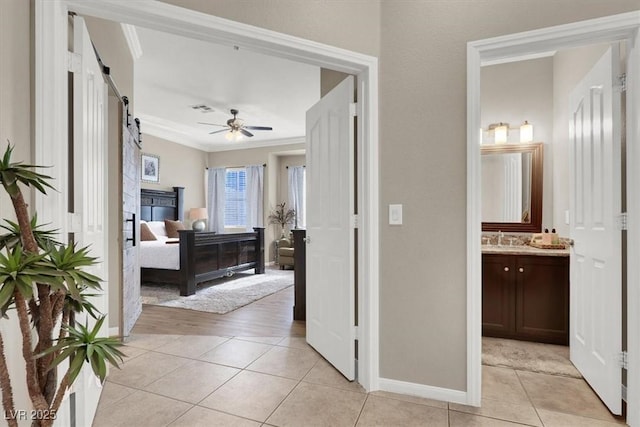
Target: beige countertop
point(523, 250)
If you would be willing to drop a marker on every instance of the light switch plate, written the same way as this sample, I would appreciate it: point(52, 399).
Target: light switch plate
point(395, 214)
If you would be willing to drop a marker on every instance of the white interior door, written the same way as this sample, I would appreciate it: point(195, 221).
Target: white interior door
point(330, 232)
point(89, 219)
point(596, 258)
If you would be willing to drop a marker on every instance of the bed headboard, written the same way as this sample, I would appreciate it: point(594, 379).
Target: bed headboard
point(158, 205)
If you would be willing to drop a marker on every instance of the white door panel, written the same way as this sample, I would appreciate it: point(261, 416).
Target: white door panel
point(596, 258)
point(90, 192)
point(330, 235)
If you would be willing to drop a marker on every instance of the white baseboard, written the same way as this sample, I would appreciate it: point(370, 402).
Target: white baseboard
point(421, 390)
point(114, 332)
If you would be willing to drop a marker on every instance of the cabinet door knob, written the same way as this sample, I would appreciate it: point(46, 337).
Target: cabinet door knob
point(506, 269)
point(521, 270)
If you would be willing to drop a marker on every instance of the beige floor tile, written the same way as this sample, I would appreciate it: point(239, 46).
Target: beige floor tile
point(113, 392)
point(460, 419)
point(262, 340)
point(558, 419)
point(294, 342)
point(145, 369)
point(150, 341)
point(324, 373)
point(286, 362)
point(236, 353)
point(411, 399)
point(193, 381)
point(250, 395)
point(192, 346)
point(502, 384)
point(508, 411)
point(318, 405)
point(381, 411)
point(202, 417)
point(132, 352)
point(563, 394)
point(140, 409)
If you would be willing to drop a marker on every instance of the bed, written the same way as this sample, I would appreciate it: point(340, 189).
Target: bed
point(194, 257)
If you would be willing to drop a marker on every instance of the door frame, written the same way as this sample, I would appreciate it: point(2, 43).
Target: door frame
point(51, 119)
point(613, 28)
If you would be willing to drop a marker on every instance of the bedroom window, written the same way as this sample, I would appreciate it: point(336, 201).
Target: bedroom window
point(235, 194)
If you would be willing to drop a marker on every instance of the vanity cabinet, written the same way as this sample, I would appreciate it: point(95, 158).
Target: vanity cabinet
point(526, 297)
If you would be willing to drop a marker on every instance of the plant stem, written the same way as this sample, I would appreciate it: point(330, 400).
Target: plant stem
point(64, 384)
point(35, 394)
point(5, 386)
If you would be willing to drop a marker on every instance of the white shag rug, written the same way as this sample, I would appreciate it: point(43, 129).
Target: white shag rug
point(528, 356)
point(220, 295)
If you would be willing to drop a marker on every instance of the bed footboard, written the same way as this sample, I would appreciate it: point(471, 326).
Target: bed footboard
point(206, 256)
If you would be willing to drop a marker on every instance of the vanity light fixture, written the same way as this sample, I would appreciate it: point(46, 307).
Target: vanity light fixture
point(526, 132)
point(500, 132)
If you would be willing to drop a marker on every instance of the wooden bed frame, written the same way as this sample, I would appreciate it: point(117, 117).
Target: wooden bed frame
point(203, 255)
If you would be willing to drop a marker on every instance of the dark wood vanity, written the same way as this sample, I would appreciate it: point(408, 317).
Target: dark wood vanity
point(526, 297)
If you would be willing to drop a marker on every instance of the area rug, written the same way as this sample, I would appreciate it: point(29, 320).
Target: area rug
point(528, 356)
point(221, 295)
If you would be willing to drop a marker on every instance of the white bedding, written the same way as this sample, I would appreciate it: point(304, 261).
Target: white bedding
point(159, 253)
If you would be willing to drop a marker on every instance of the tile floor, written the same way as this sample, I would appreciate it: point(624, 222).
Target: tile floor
point(221, 381)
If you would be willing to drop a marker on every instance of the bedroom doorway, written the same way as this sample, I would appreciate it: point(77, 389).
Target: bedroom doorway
point(51, 35)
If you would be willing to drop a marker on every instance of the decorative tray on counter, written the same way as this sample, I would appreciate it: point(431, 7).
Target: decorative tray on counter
point(540, 245)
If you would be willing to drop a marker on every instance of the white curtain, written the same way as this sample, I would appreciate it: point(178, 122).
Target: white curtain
point(255, 198)
point(297, 195)
point(216, 199)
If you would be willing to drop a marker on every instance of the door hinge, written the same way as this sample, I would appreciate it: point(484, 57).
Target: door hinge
point(74, 62)
point(621, 221)
point(622, 83)
point(623, 358)
point(355, 221)
point(356, 333)
point(353, 109)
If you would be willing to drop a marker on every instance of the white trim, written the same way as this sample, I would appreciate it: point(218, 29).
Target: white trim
point(133, 41)
point(607, 29)
point(421, 390)
point(519, 58)
point(114, 331)
point(165, 17)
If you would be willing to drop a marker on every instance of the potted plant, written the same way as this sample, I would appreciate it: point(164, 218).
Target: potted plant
point(43, 284)
point(283, 216)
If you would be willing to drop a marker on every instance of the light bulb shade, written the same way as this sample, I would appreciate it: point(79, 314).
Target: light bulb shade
point(526, 132)
point(198, 213)
point(500, 133)
point(233, 135)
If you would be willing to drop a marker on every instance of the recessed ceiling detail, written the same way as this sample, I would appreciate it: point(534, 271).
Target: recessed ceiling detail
point(176, 71)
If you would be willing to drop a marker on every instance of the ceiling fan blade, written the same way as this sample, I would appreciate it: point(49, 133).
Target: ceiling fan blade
point(212, 124)
point(245, 132)
point(258, 127)
point(218, 131)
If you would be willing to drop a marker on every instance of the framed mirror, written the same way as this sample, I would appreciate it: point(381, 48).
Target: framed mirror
point(512, 187)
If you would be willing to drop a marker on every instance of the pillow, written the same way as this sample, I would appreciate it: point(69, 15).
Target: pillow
point(172, 227)
point(145, 233)
point(157, 228)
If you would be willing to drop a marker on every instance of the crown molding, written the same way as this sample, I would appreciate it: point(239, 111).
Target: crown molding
point(133, 41)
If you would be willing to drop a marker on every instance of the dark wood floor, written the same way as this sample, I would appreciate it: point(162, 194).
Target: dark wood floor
point(271, 316)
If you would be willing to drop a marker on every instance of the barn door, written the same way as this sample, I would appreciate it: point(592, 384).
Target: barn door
point(596, 258)
point(88, 219)
point(131, 300)
point(330, 228)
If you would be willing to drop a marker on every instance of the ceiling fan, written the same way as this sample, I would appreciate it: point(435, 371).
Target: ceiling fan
point(236, 127)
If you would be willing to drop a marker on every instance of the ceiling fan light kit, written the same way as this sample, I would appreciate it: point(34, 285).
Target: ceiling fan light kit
point(236, 128)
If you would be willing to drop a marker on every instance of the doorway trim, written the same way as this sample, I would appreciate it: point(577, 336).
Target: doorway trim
point(607, 29)
point(51, 63)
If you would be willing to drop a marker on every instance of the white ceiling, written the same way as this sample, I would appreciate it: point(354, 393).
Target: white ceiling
point(175, 73)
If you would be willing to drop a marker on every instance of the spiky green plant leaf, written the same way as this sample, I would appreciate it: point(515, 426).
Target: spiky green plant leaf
point(43, 237)
point(11, 174)
point(82, 344)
